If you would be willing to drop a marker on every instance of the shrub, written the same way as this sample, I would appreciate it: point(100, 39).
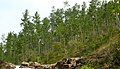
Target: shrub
point(86, 67)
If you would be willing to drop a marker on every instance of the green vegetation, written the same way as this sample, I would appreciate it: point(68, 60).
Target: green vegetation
point(86, 67)
point(67, 32)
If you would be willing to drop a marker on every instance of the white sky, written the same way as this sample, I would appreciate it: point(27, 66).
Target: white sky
point(11, 11)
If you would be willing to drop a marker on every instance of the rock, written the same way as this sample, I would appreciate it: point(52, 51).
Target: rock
point(9, 66)
point(67, 66)
point(38, 65)
point(53, 66)
point(70, 63)
point(47, 66)
point(80, 61)
point(66, 63)
point(59, 65)
point(31, 64)
point(73, 62)
point(25, 64)
point(1, 62)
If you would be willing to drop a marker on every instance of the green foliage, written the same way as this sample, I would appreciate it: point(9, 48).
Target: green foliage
point(68, 32)
point(57, 52)
point(86, 67)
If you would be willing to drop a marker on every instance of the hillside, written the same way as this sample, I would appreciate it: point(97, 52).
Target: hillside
point(107, 56)
point(92, 33)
